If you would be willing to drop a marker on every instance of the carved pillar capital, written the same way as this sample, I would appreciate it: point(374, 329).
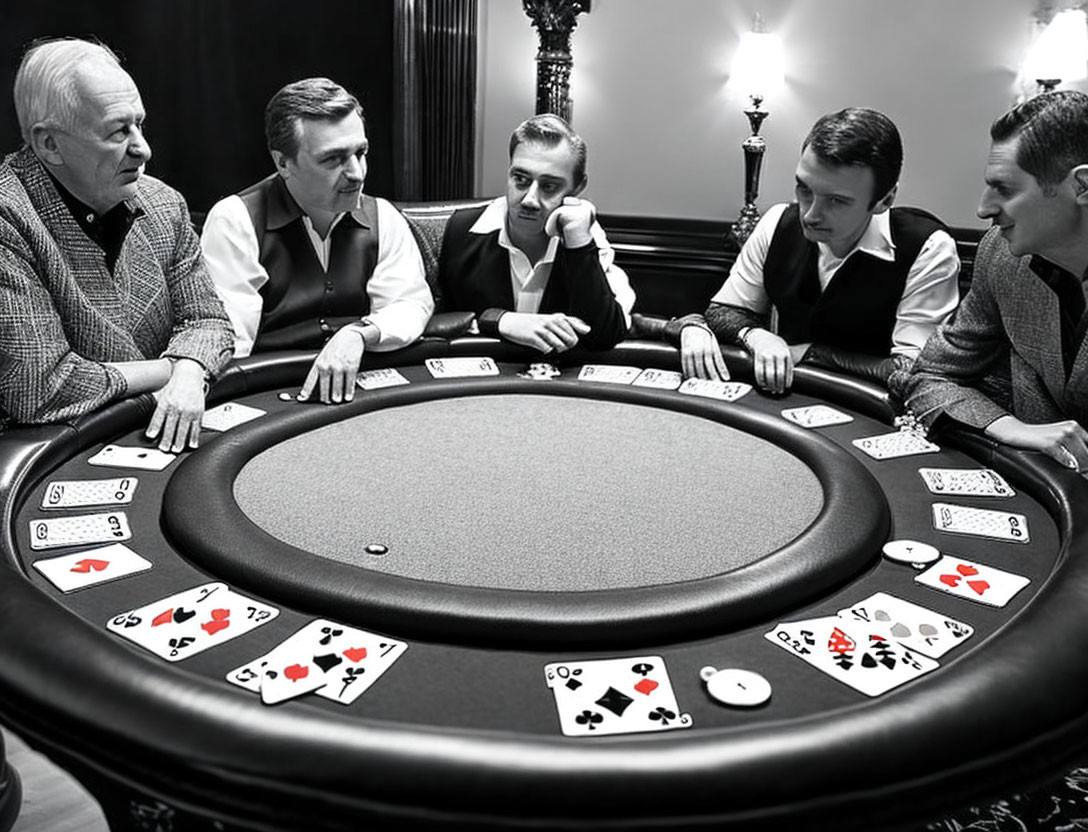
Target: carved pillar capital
point(554, 21)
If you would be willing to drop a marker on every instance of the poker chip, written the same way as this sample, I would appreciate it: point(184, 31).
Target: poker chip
point(911, 551)
point(286, 397)
point(736, 687)
point(376, 549)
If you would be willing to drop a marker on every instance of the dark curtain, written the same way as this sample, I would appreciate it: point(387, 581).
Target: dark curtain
point(435, 99)
point(206, 69)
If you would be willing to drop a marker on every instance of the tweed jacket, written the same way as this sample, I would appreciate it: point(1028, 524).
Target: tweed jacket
point(1010, 315)
point(63, 315)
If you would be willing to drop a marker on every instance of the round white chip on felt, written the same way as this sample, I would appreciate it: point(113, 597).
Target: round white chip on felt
point(736, 687)
point(911, 551)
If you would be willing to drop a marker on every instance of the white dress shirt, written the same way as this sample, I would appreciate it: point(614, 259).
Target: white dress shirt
point(930, 295)
point(400, 300)
point(529, 281)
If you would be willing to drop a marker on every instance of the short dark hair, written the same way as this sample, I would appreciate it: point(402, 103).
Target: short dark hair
point(310, 98)
point(859, 136)
point(1053, 132)
point(549, 130)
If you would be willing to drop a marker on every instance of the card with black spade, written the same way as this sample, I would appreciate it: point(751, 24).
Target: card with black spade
point(922, 630)
point(614, 696)
point(860, 654)
point(189, 622)
point(335, 661)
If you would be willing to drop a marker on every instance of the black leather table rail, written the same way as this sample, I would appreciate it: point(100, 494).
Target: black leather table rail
point(462, 732)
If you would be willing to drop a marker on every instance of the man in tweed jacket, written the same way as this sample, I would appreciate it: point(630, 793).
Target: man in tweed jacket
point(1024, 319)
point(103, 293)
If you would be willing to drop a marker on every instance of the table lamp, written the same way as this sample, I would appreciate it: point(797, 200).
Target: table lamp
point(756, 70)
point(1060, 53)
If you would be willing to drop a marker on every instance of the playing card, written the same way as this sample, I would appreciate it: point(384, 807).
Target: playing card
point(609, 373)
point(84, 493)
point(91, 566)
point(816, 416)
point(125, 456)
point(189, 622)
point(899, 443)
point(982, 522)
point(922, 630)
point(79, 530)
point(376, 379)
point(973, 581)
point(658, 379)
point(614, 696)
point(336, 661)
point(461, 367)
point(726, 391)
point(858, 653)
point(229, 415)
point(980, 482)
point(540, 371)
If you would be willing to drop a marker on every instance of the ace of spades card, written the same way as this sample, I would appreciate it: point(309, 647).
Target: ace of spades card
point(614, 696)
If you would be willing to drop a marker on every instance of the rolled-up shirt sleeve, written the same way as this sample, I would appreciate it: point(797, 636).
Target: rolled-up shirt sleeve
point(230, 251)
point(930, 295)
point(400, 299)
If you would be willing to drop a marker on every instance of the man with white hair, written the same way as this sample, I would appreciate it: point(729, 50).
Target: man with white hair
point(103, 292)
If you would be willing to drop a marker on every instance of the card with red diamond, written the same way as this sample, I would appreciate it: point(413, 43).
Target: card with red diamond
point(614, 696)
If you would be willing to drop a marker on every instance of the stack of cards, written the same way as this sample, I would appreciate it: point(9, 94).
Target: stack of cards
point(658, 379)
point(816, 416)
point(332, 660)
point(1001, 525)
point(614, 696)
point(726, 391)
point(608, 373)
point(189, 622)
point(376, 379)
point(126, 456)
point(899, 443)
point(875, 645)
point(85, 493)
point(966, 482)
point(461, 367)
point(79, 530)
point(91, 566)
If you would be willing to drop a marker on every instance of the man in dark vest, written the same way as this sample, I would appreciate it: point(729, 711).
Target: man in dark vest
point(534, 266)
point(304, 259)
point(838, 278)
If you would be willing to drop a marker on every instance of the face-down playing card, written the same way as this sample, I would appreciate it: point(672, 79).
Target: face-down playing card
point(614, 696)
point(335, 661)
point(860, 654)
point(189, 622)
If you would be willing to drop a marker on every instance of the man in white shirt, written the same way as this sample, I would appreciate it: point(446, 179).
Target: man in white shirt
point(854, 284)
point(304, 259)
point(534, 266)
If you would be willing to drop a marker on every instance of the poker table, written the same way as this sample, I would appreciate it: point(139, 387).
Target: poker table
point(501, 524)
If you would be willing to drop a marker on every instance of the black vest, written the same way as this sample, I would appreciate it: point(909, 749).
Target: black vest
point(474, 272)
point(857, 310)
point(303, 305)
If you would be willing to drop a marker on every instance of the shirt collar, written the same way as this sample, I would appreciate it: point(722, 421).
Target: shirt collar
point(493, 219)
point(283, 210)
point(1050, 273)
point(108, 230)
point(875, 240)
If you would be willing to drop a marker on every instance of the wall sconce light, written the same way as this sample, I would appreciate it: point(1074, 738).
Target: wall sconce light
point(1060, 53)
point(756, 71)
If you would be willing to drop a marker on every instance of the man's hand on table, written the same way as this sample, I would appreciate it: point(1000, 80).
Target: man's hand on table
point(700, 355)
point(179, 406)
point(555, 333)
point(1066, 442)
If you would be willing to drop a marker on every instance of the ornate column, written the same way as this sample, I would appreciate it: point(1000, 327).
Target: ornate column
point(554, 21)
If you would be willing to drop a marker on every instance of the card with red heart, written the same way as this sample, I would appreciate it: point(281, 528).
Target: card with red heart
point(91, 566)
point(188, 622)
point(974, 581)
point(335, 661)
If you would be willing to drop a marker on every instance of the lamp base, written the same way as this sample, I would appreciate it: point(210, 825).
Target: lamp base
point(745, 223)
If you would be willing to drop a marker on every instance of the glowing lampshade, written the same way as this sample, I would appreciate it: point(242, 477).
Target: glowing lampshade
point(1060, 53)
point(757, 65)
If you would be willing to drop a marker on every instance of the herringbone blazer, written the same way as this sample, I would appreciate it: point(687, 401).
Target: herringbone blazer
point(1009, 313)
point(62, 314)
